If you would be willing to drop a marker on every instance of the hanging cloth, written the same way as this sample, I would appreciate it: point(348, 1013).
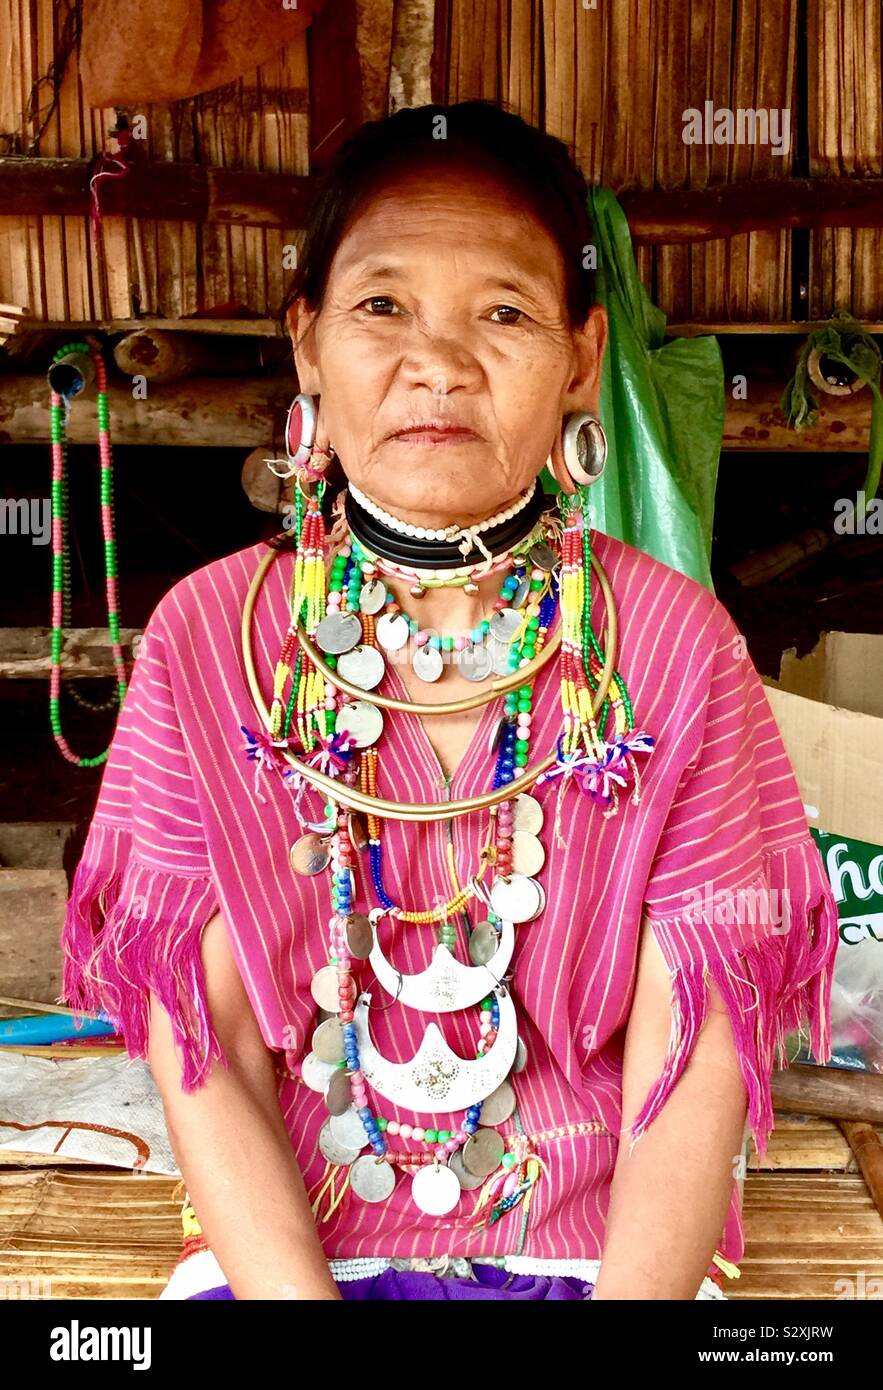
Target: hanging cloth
point(193, 45)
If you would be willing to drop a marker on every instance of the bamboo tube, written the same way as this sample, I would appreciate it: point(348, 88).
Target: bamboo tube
point(865, 1144)
point(830, 1091)
point(161, 356)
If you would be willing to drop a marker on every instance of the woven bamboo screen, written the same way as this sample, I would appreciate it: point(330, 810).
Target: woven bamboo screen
point(613, 82)
point(845, 100)
point(612, 78)
point(163, 267)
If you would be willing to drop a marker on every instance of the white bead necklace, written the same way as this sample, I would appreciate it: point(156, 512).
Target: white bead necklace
point(447, 533)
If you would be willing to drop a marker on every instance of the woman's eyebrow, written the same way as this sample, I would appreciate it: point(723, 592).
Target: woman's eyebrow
point(373, 268)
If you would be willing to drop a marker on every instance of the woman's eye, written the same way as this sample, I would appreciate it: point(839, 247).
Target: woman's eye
point(378, 304)
point(508, 313)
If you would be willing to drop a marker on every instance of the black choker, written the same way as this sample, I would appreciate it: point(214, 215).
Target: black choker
point(418, 553)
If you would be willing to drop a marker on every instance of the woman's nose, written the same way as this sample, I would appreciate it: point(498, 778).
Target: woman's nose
point(437, 357)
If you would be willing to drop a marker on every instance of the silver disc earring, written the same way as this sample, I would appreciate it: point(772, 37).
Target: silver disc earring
point(584, 446)
point(300, 435)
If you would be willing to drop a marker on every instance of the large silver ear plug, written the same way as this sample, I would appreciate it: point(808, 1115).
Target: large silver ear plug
point(584, 446)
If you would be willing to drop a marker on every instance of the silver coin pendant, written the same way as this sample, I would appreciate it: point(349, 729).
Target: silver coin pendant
point(504, 625)
point(334, 1152)
point(310, 854)
point(315, 1073)
point(499, 1106)
point(435, 1189)
point(483, 1153)
point(338, 633)
point(372, 1179)
point(372, 596)
point(362, 721)
point(323, 988)
point(392, 631)
point(363, 666)
point(474, 661)
point(427, 663)
point(528, 855)
point(516, 899)
point(328, 1041)
point(348, 1129)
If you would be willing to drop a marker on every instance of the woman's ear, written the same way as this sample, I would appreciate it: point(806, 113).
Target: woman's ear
point(589, 342)
point(584, 389)
point(301, 321)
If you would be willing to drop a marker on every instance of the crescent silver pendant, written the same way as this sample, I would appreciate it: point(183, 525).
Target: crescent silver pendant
point(446, 984)
point(436, 1078)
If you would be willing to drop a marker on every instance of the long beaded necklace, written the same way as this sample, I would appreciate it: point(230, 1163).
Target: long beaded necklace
point(467, 1156)
point(59, 407)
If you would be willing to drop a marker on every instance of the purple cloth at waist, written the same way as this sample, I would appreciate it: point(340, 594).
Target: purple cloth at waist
point(490, 1282)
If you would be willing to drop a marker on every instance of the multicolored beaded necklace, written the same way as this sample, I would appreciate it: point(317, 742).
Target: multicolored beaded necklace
point(59, 407)
point(341, 736)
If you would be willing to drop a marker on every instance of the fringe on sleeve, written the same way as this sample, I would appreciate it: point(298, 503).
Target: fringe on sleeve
point(129, 929)
point(773, 966)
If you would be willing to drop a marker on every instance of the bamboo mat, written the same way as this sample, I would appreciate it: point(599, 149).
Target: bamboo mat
point(616, 80)
point(809, 1221)
point(845, 79)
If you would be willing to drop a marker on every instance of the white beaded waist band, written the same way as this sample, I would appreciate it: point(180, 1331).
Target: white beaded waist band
point(201, 1271)
point(460, 1267)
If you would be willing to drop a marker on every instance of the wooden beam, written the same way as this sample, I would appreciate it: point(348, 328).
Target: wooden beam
point(706, 214)
point(32, 908)
point(199, 193)
point(86, 653)
point(838, 1094)
point(219, 327)
point(335, 80)
point(792, 326)
point(188, 192)
point(200, 412)
point(217, 412)
point(269, 328)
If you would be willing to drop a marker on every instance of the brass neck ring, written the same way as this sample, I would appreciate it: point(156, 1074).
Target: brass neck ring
point(356, 800)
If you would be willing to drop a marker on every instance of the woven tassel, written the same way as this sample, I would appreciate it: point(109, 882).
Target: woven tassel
point(328, 1197)
point(509, 1187)
point(771, 983)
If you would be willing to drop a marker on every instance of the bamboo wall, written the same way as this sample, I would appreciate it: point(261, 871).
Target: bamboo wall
point(612, 81)
point(166, 268)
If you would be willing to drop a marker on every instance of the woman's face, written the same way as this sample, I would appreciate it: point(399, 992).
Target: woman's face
point(442, 352)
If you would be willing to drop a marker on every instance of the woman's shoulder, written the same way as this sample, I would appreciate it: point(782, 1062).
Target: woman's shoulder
point(652, 594)
point(207, 596)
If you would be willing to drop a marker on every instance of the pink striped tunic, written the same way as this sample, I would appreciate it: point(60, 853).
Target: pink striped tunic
point(179, 832)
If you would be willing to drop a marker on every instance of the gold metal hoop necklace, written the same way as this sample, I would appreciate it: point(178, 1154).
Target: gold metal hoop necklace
point(356, 800)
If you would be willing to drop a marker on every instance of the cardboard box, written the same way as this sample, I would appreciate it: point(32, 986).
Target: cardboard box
point(829, 709)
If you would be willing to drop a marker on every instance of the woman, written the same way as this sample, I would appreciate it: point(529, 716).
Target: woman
point(440, 1014)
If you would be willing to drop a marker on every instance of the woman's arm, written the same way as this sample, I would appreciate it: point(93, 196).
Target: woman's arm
point(232, 1147)
point(669, 1200)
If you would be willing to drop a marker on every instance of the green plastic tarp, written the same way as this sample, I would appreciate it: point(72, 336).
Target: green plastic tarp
point(662, 408)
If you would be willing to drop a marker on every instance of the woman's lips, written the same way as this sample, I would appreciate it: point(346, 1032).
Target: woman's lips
point(436, 434)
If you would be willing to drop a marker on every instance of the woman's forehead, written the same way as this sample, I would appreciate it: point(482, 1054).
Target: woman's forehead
point(476, 220)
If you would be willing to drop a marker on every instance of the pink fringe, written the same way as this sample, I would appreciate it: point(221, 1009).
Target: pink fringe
point(772, 982)
point(129, 929)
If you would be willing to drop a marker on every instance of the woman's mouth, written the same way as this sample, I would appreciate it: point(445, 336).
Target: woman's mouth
point(434, 432)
